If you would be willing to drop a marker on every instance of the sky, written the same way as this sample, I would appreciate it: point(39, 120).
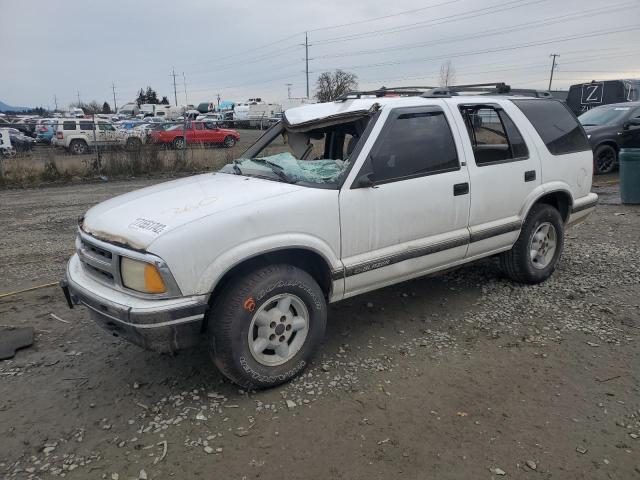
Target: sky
point(70, 49)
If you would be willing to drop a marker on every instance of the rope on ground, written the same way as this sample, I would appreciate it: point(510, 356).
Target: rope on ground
point(38, 287)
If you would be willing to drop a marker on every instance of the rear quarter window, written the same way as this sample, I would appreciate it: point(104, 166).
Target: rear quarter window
point(557, 126)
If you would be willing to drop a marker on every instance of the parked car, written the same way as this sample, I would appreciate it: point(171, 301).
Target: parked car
point(610, 128)
point(78, 135)
point(584, 96)
point(46, 130)
point(19, 141)
point(206, 133)
point(336, 200)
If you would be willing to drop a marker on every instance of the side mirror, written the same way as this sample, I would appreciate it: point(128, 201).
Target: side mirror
point(632, 122)
point(366, 181)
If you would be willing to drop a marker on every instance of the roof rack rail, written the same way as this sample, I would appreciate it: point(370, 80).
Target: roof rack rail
point(384, 92)
point(499, 88)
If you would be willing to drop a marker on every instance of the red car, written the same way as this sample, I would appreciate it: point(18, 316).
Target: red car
point(196, 132)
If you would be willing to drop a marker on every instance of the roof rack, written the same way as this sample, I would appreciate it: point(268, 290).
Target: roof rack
point(493, 88)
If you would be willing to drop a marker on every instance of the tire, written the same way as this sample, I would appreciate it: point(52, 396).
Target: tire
point(518, 263)
point(179, 143)
point(133, 144)
point(605, 159)
point(78, 147)
point(229, 141)
point(260, 297)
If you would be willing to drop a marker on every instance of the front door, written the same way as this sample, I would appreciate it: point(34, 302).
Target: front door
point(407, 211)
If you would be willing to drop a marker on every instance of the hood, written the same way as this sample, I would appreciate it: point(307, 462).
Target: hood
point(138, 218)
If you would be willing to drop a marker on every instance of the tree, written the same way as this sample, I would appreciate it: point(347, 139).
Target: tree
point(447, 74)
point(106, 108)
point(164, 101)
point(330, 86)
point(141, 98)
point(151, 96)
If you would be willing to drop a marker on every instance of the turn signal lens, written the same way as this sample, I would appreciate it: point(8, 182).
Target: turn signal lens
point(141, 276)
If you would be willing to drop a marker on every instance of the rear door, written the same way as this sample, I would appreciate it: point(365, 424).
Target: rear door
point(407, 211)
point(503, 173)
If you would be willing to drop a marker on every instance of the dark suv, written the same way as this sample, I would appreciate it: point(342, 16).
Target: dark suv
point(610, 128)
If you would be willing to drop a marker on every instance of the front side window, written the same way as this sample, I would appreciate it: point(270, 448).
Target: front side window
point(198, 126)
point(86, 125)
point(558, 128)
point(493, 135)
point(414, 143)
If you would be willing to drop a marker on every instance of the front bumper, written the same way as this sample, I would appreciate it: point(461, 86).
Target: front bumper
point(165, 325)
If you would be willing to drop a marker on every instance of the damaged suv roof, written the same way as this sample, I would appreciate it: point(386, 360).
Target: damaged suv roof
point(319, 115)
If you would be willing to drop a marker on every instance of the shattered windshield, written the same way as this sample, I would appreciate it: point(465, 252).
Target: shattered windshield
point(317, 157)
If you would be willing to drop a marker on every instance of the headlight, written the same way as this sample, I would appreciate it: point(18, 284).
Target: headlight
point(141, 276)
point(589, 136)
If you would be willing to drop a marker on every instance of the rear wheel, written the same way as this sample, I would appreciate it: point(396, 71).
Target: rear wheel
point(605, 159)
point(266, 326)
point(179, 143)
point(535, 255)
point(229, 141)
point(78, 147)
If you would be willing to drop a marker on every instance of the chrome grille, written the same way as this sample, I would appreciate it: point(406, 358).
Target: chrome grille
point(97, 261)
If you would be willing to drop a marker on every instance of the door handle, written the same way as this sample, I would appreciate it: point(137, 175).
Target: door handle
point(460, 189)
point(529, 176)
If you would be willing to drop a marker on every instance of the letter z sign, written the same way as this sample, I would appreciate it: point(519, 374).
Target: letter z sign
point(592, 93)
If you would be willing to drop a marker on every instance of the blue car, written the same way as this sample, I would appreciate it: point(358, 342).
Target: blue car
point(45, 132)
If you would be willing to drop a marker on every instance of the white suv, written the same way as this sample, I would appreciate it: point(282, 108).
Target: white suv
point(337, 199)
point(78, 135)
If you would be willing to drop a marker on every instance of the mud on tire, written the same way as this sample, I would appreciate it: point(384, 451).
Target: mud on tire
point(235, 313)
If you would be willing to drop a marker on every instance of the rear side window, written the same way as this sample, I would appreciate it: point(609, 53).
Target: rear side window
point(494, 136)
point(415, 143)
point(556, 125)
point(86, 126)
point(69, 125)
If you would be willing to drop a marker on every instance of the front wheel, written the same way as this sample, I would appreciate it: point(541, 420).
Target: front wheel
point(266, 326)
point(535, 255)
point(605, 159)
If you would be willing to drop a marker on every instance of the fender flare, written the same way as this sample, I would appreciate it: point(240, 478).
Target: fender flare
point(223, 264)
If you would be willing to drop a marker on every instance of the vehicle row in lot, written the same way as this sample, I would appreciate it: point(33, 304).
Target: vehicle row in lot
point(14, 141)
point(79, 135)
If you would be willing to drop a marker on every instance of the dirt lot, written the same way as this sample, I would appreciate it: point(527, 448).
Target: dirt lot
point(460, 376)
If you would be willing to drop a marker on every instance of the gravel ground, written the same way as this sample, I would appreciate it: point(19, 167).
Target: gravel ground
point(463, 375)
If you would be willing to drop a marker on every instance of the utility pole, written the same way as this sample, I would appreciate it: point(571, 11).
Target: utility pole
point(553, 67)
point(175, 91)
point(55, 101)
point(218, 100)
point(113, 89)
point(289, 90)
point(306, 51)
point(79, 102)
point(184, 80)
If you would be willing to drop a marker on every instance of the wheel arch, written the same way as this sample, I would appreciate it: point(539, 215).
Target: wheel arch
point(560, 199)
point(609, 142)
point(305, 258)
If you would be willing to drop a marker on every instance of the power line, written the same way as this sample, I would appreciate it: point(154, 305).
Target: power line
point(510, 5)
point(499, 49)
point(486, 33)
